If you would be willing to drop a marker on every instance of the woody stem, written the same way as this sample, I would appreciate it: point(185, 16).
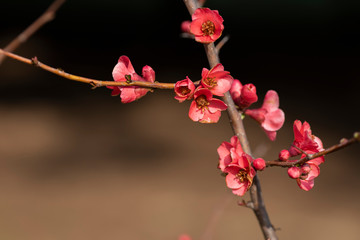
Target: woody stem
point(238, 128)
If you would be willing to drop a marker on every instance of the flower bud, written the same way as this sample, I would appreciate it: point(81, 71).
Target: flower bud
point(259, 164)
point(235, 91)
point(248, 95)
point(185, 26)
point(284, 155)
point(294, 172)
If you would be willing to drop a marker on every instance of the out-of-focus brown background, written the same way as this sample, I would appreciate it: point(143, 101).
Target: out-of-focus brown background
point(78, 164)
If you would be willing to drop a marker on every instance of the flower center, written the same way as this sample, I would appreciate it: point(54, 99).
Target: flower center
point(242, 176)
point(201, 102)
point(208, 28)
point(184, 90)
point(210, 81)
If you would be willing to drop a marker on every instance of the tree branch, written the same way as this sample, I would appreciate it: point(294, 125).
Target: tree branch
point(47, 16)
point(93, 82)
point(238, 127)
point(343, 143)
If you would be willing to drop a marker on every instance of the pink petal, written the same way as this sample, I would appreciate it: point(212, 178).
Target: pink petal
point(305, 184)
point(148, 74)
point(203, 91)
point(240, 191)
point(224, 155)
point(217, 68)
point(271, 135)
point(210, 117)
point(271, 101)
point(235, 91)
point(232, 181)
point(195, 113)
point(274, 120)
point(216, 105)
point(128, 94)
point(297, 131)
point(314, 172)
point(317, 161)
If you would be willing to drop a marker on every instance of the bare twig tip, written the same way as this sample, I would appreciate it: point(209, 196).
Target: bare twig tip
point(357, 136)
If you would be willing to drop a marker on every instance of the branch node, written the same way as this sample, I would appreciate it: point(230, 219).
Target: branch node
point(249, 204)
point(35, 61)
point(94, 86)
point(128, 79)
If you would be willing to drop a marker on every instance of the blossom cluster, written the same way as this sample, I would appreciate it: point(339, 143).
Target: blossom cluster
point(305, 143)
point(204, 107)
point(239, 167)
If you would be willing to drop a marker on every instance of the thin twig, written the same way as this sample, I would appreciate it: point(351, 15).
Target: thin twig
point(343, 143)
point(222, 43)
point(93, 82)
point(47, 16)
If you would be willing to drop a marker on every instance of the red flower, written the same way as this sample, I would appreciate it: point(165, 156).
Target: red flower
point(184, 89)
point(240, 175)
point(216, 80)
point(124, 71)
point(206, 25)
point(304, 139)
point(270, 116)
point(205, 108)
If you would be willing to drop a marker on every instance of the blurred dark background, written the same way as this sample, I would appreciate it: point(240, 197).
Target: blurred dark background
point(78, 164)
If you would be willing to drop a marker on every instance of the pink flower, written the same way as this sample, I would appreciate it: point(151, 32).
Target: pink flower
point(206, 25)
point(205, 108)
point(243, 96)
point(304, 139)
point(228, 151)
point(270, 116)
point(216, 80)
point(184, 89)
point(124, 71)
point(240, 175)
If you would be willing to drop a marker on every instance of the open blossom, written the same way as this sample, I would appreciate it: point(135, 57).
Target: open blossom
point(228, 151)
point(270, 116)
point(304, 139)
point(124, 71)
point(216, 80)
point(184, 90)
point(243, 96)
point(237, 165)
point(207, 25)
point(240, 174)
point(204, 108)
